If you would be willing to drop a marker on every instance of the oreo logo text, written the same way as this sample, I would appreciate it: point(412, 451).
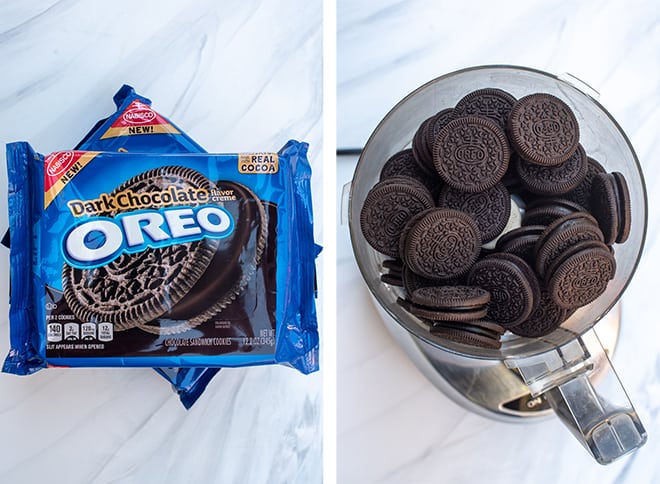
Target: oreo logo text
point(100, 240)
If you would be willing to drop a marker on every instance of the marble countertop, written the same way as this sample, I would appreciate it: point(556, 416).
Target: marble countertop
point(237, 76)
point(393, 425)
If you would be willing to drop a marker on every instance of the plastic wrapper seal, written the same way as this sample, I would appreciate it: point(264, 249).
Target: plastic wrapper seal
point(137, 259)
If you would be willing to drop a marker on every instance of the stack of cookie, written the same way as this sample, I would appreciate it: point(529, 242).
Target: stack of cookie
point(496, 219)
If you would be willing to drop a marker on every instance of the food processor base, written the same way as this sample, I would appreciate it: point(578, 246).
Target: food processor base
point(487, 387)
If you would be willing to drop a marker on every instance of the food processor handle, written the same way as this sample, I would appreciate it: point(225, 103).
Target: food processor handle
point(593, 405)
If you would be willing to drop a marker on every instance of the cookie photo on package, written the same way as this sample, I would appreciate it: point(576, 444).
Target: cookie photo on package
point(136, 114)
point(139, 259)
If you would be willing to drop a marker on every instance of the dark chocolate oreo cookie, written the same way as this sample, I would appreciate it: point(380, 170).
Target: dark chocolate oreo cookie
point(403, 163)
point(422, 154)
point(471, 154)
point(553, 180)
point(406, 229)
point(582, 193)
point(490, 208)
point(512, 287)
point(233, 265)
point(136, 288)
point(582, 277)
point(451, 298)
point(610, 202)
point(521, 242)
point(386, 210)
point(480, 333)
point(544, 211)
point(543, 129)
point(562, 234)
point(412, 281)
point(438, 121)
point(547, 317)
point(443, 244)
point(491, 103)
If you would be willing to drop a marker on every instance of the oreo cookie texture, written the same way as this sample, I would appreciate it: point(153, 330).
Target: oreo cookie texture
point(231, 268)
point(171, 289)
point(138, 287)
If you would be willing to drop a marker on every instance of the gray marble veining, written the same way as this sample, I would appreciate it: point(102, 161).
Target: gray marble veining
point(237, 75)
point(393, 425)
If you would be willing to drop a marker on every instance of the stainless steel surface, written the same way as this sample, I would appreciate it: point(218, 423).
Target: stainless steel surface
point(489, 387)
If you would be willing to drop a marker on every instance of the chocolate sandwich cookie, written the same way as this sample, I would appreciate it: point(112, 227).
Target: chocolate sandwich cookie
point(582, 193)
point(403, 163)
point(137, 288)
point(392, 273)
point(412, 281)
point(406, 230)
point(490, 209)
point(512, 284)
point(610, 202)
point(392, 279)
point(571, 250)
point(423, 156)
point(481, 333)
point(547, 317)
point(543, 129)
point(562, 234)
point(471, 154)
point(233, 265)
point(448, 303)
point(544, 211)
point(581, 277)
point(521, 242)
point(387, 208)
point(443, 244)
point(491, 103)
point(393, 265)
point(438, 121)
point(556, 179)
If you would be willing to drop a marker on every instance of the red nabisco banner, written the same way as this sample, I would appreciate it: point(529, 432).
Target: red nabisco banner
point(60, 168)
point(139, 118)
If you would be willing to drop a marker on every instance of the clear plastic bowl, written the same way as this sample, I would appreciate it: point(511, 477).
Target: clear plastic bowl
point(602, 138)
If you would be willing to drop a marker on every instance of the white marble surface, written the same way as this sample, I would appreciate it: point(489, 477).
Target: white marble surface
point(393, 425)
point(237, 75)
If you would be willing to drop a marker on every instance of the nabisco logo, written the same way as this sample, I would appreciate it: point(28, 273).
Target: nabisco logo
point(60, 162)
point(138, 114)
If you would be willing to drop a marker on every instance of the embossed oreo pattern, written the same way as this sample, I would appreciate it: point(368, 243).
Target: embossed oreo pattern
point(386, 210)
point(543, 129)
point(451, 296)
point(547, 317)
point(511, 293)
point(432, 130)
point(403, 164)
point(471, 154)
point(490, 208)
point(553, 180)
point(137, 288)
point(537, 157)
point(561, 235)
point(582, 278)
point(445, 243)
point(494, 104)
point(582, 193)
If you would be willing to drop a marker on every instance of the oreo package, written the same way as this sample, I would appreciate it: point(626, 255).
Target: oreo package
point(135, 126)
point(172, 260)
